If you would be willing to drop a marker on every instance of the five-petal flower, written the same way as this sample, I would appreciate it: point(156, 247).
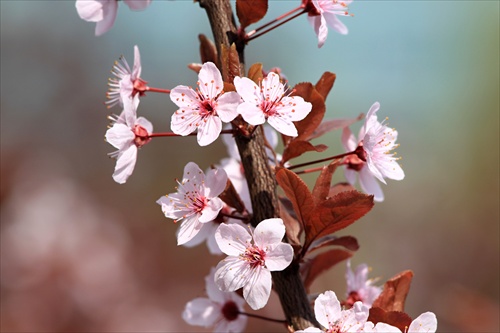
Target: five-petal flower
point(329, 314)
point(103, 12)
point(325, 14)
point(127, 134)
point(359, 287)
point(205, 108)
point(267, 101)
point(196, 201)
point(249, 264)
point(220, 310)
point(377, 141)
point(127, 82)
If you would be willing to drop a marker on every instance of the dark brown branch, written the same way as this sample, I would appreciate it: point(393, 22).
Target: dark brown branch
point(260, 177)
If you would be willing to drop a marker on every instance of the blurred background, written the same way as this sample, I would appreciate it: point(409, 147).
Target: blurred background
point(82, 253)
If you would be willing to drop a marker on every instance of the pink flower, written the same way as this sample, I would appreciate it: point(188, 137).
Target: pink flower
point(377, 141)
point(425, 323)
point(103, 12)
point(127, 134)
point(267, 101)
point(330, 315)
point(220, 310)
point(127, 82)
point(249, 264)
point(205, 108)
point(196, 201)
point(359, 287)
point(325, 15)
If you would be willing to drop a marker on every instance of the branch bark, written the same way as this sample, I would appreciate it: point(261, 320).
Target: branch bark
point(260, 177)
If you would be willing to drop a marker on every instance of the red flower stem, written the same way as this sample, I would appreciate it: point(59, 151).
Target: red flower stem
point(153, 135)
point(309, 170)
point(158, 90)
point(251, 315)
point(249, 38)
point(279, 18)
point(322, 160)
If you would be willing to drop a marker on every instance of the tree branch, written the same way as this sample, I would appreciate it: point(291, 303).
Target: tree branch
point(260, 177)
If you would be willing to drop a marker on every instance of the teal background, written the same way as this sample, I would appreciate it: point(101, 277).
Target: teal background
point(433, 66)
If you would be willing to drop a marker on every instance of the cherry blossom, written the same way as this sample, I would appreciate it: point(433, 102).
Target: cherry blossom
point(377, 141)
point(205, 108)
point(359, 287)
point(335, 320)
point(127, 82)
point(196, 201)
point(127, 134)
point(103, 12)
point(425, 323)
point(267, 101)
point(324, 15)
point(221, 310)
point(249, 264)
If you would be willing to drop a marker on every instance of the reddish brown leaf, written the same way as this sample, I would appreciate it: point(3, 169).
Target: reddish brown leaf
point(208, 52)
point(231, 197)
point(395, 318)
point(229, 87)
point(336, 213)
point(325, 84)
point(340, 187)
point(349, 242)
point(230, 66)
point(306, 126)
point(334, 124)
point(250, 11)
point(396, 289)
point(255, 72)
point(298, 147)
point(322, 186)
point(321, 263)
point(293, 228)
point(298, 193)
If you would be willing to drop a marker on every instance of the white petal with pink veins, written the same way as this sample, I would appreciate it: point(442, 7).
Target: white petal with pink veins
point(231, 274)
point(188, 229)
point(426, 322)
point(90, 10)
point(227, 105)
point(137, 69)
point(211, 210)
point(279, 257)
point(210, 80)
point(283, 125)
point(269, 232)
point(208, 130)
point(295, 107)
point(334, 23)
point(201, 312)
point(109, 8)
point(327, 308)
point(215, 182)
point(120, 135)
point(370, 185)
point(125, 164)
point(184, 97)
point(258, 289)
point(247, 89)
point(251, 113)
point(233, 239)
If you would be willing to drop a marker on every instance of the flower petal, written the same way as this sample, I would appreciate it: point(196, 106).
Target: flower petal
point(279, 257)
point(137, 4)
point(125, 164)
point(120, 136)
point(232, 239)
point(190, 226)
point(208, 130)
point(227, 105)
point(269, 232)
point(109, 15)
point(251, 113)
point(202, 312)
point(327, 308)
point(210, 80)
point(283, 125)
point(136, 71)
point(258, 289)
point(90, 10)
point(370, 185)
point(211, 210)
point(426, 322)
point(231, 274)
point(247, 89)
point(215, 182)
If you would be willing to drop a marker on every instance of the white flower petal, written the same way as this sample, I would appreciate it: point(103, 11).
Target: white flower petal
point(251, 113)
point(215, 182)
point(213, 292)
point(209, 130)
point(279, 257)
point(201, 312)
point(232, 273)
point(125, 164)
point(283, 125)
point(90, 10)
point(232, 239)
point(137, 69)
point(146, 124)
point(184, 97)
point(211, 210)
point(295, 108)
point(327, 308)
point(258, 289)
point(426, 322)
point(109, 15)
point(137, 4)
point(120, 136)
point(227, 105)
point(269, 232)
point(247, 89)
point(210, 80)
point(190, 226)
point(370, 185)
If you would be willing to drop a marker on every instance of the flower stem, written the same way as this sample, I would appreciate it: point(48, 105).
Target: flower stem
point(158, 90)
point(321, 160)
point(279, 18)
point(251, 315)
point(251, 35)
point(153, 135)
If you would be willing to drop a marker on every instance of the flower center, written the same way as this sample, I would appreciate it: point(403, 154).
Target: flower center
point(141, 136)
point(230, 311)
point(207, 107)
point(254, 256)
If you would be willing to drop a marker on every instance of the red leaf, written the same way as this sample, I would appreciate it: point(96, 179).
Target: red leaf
point(230, 65)
point(298, 147)
point(208, 52)
point(321, 263)
point(325, 84)
point(293, 228)
point(306, 126)
point(250, 11)
point(396, 289)
point(322, 187)
point(395, 318)
point(298, 193)
point(336, 213)
point(334, 124)
point(232, 198)
point(255, 73)
point(340, 187)
point(349, 242)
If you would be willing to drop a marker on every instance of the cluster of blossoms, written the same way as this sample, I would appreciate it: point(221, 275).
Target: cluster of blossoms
point(215, 206)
